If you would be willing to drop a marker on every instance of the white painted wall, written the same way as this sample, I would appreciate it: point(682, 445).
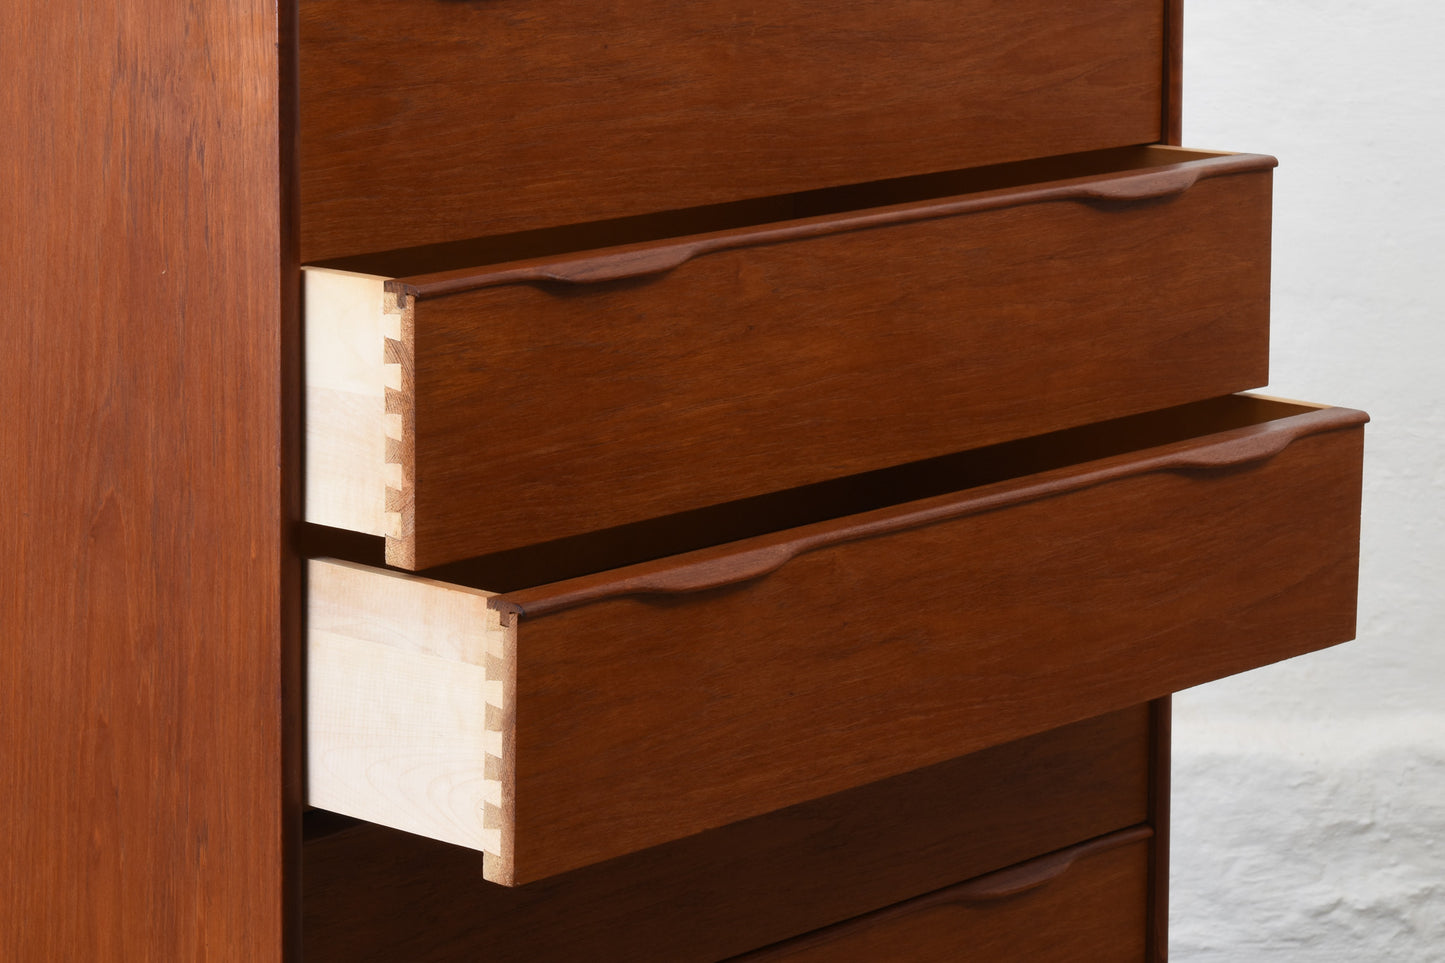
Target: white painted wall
point(1309, 797)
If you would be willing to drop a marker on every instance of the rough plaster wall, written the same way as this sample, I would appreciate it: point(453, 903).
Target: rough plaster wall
point(1309, 797)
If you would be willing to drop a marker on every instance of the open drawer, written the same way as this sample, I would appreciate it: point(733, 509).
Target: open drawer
point(1055, 579)
point(694, 358)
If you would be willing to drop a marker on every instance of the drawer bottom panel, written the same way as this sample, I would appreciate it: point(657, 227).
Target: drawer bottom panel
point(1084, 904)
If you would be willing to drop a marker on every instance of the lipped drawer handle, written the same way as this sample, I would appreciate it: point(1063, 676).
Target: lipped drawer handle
point(719, 568)
point(995, 886)
point(1234, 452)
point(1167, 182)
point(1259, 445)
point(659, 260)
point(621, 266)
point(655, 259)
point(1037, 872)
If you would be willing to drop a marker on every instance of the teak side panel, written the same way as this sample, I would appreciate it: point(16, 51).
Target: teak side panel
point(1160, 773)
point(147, 780)
point(1083, 905)
point(673, 714)
point(431, 121)
point(741, 886)
point(542, 411)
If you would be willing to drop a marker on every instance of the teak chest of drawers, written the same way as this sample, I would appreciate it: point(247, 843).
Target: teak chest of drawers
point(767, 469)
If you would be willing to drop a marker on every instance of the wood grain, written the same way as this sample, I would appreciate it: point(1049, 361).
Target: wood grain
point(741, 886)
point(397, 703)
point(768, 357)
point(1173, 124)
point(1160, 771)
point(143, 678)
point(509, 115)
point(871, 656)
point(346, 417)
point(1082, 905)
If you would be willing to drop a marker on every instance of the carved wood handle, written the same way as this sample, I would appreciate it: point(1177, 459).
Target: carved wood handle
point(995, 886)
point(1168, 182)
point(620, 266)
point(659, 260)
point(1258, 446)
point(660, 257)
point(725, 566)
point(1015, 880)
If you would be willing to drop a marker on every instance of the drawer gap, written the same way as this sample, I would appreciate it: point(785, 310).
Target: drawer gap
point(470, 253)
point(676, 534)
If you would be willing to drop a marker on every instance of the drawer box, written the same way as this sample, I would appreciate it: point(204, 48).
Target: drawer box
point(1085, 904)
point(430, 120)
point(477, 410)
point(564, 724)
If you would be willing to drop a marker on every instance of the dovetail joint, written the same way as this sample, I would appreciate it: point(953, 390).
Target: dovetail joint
point(399, 311)
point(500, 666)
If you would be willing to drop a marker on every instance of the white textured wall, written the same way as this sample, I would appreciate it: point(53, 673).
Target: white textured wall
point(1309, 797)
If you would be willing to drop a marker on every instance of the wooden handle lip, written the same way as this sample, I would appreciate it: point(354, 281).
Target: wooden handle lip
point(1036, 872)
point(1259, 443)
point(737, 562)
point(1170, 180)
point(999, 885)
point(653, 258)
point(727, 570)
point(1167, 182)
point(633, 264)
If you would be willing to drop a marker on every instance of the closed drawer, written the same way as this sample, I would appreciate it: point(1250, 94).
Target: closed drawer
point(430, 120)
point(1086, 904)
point(741, 886)
point(481, 409)
point(571, 722)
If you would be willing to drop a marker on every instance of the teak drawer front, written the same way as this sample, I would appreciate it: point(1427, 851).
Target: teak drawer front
point(506, 406)
point(605, 714)
point(741, 886)
point(428, 120)
point(1086, 904)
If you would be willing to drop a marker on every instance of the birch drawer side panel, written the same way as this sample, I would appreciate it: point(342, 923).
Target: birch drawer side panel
point(604, 714)
point(534, 400)
point(431, 120)
point(741, 886)
point(1085, 904)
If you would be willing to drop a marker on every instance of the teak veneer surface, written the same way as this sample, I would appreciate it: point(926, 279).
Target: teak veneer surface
point(434, 121)
point(741, 886)
point(542, 399)
point(1083, 905)
point(145, 785)
point(900, 649)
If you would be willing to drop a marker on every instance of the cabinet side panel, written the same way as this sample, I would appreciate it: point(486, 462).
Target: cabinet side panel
point(141, 688)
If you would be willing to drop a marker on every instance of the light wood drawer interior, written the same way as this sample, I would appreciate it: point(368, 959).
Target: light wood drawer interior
point(561, 724)
point(615, 375)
